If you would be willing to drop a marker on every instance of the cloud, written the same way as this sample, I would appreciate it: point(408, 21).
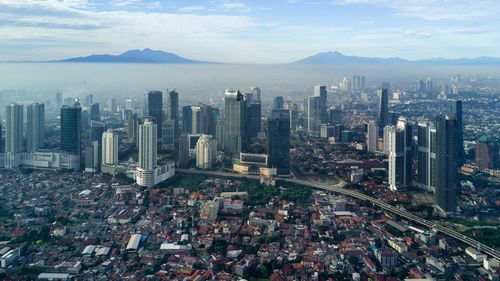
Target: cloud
point(235, 6)
point(436, 10)
point(192, 9)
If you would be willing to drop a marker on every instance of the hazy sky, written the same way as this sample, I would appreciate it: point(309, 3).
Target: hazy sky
point(260, 31)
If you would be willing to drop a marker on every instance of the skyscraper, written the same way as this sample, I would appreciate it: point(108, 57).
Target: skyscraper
point(112, 105)
point(487, 153)
point(183, 154)
point(89, 99)
point(383, 107)
point(278, 102)
point(429, 88)
point(234, 123)
point(14, 128)
point(171, 125)
point(71, 128)
point(155, 110)
point(400, 155)
point(148, 144)
point(335, 116)
point(196, 120)
point(424, 156)
point(311, 115)
point(320, 91)
point(95, 113)
point(256, 92)
point(253, 115)
point(109, 148)
point(372, 136)
point(58, 100)
point(205, 151)
point(446, 163)
point(278, 141)
point(186, 119)
point(35, 132)
point(132, 127)
point(454, 110)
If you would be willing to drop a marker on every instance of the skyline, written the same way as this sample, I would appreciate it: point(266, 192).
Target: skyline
point(253, 32)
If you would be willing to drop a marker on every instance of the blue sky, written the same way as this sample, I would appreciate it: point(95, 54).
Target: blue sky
point(272, 31)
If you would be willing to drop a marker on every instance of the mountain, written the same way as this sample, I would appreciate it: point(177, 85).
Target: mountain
point(135, 56)
point(338, 58)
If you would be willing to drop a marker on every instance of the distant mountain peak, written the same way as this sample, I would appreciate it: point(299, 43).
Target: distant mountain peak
point(335, 57)
point(145, 55)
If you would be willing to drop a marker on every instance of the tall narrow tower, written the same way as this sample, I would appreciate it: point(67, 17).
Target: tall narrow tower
point(148, 144)
point(36, 126)
point(14, 128)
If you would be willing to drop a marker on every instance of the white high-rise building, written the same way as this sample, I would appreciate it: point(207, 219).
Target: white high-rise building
point(372, 136)
point(206, 149)
point(109, 148)
point(35, 132)
point(14, 129)
point(147, 145)
point(196, 120)
point(387, 135)
point(400, 155)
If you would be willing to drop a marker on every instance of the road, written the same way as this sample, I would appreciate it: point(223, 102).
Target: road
point(338, 188)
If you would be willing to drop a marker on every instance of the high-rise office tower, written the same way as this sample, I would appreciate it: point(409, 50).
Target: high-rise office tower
point(400, 156)
point(196, 120)
point(345, 84)
point(372, 136)
point(14, 128)
point(358, 83)
point(205, 151)
point(95, 112)
point(421, 86)
point(109, 148)
point(130, 104)
point(446, 163)
point(429, 88)
point(96, 131)
point(234, 123)
point(112, 105)
point(335, 116)
point(92, 157)
point(211, 115)
point(186, 119)
point(183, 154)
point(58, 100)
point(454, 110)
point(278, 102)
point(433, 170)
point(383, 108)
point(256, 92)
point(148, 144)
point(487, 153)
point(2, 147)
point(89, 99)
point(71, 128)
point(253, 115)
point(387, 134)
point(320, 91)
point(424, 156)
point(171, 125)
point(35, 133)
point(312, 114)
point(293, 108)
point(132, 128)
point(155, 110)
point(278, 141)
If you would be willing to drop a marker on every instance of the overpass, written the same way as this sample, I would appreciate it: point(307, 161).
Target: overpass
point(338, 188)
